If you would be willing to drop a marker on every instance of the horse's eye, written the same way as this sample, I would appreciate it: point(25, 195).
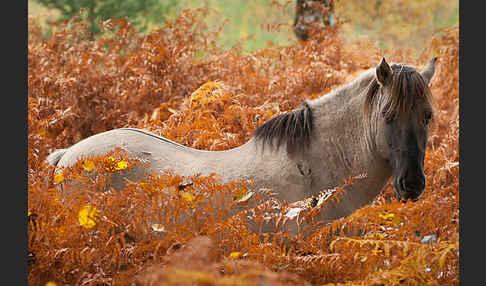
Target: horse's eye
point(427, 118)
point(388, 118)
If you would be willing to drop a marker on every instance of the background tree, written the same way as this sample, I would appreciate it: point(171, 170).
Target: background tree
point(141, 11)
point(319, 13)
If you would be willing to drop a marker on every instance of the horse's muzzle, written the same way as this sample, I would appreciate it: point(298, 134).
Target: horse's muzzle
point(409, 188)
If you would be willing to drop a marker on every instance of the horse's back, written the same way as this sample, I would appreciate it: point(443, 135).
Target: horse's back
point(136, 143)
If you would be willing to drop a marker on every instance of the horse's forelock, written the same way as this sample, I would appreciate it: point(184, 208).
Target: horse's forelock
point(406, 87)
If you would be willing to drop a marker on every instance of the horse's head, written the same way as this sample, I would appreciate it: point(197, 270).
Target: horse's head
point(403, 110)
point(312, 13)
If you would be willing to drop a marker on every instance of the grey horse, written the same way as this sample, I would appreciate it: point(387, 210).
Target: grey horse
point(377, 125)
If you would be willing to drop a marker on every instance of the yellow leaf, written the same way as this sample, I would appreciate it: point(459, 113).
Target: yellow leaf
point(188, 197)
point(376, 251)
point(50, 283)
point(42, 133)
point(329, 75)
point(88, 165)
point(242, 195)
point(235, 255)
point(111, 164)
point(245, 198)
point(59, 178)
point(387, 216)
point(121, 165)
point(87, 216)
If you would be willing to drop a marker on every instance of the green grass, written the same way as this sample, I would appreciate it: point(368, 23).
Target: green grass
point(247, 19)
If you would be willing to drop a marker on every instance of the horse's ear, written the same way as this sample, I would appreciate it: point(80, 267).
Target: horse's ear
point(429, 70)
point(384, 73)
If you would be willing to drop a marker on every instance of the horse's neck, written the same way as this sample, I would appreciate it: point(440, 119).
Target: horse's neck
point(338, 118)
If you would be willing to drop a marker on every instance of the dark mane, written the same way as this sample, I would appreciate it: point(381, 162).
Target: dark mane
point(407, 86)
point(293, 128)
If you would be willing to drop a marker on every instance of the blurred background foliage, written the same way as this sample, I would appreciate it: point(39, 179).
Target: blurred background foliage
point(141, 11)
point(255, 23)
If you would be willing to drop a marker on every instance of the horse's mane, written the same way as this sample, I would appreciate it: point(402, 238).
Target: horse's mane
point(407, 86)
point(293, 128)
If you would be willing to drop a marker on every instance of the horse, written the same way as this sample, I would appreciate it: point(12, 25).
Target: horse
point(377, 125)
point(308, 12)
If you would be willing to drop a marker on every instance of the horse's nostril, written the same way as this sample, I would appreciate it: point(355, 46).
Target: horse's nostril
point(401, 182)
point(415, 185)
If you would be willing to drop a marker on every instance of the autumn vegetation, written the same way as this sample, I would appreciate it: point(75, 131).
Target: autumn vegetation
point(176, 81)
